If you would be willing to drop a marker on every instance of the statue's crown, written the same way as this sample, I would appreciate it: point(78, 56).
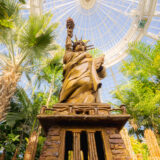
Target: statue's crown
point(83, 43)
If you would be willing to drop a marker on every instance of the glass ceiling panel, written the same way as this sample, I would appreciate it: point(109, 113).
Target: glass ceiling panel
point(104, 24)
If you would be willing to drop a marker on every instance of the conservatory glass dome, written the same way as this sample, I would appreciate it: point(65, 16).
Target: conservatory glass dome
point(109, 25)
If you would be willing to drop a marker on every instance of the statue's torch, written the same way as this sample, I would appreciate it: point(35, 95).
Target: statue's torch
point(70, 27)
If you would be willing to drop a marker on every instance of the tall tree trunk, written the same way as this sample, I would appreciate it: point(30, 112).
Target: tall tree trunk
point(152, 144)
point(32, 143)
point(33, 140)
point(133, 124)
point(127, 142)
point(8, 83)
point(2, 156)
point(50, 92)
point(139, 156)
point(32, 146)
point(18, 148)
point(15, 154)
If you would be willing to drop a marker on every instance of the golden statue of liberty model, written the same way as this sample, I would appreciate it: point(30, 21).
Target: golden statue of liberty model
point(80, 126)
point(82, 73)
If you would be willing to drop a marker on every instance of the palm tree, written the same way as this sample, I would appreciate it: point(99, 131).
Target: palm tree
point(53, 67)
point(52, 73)
point(25, 42)
point(152, 144)
point(9, 13)
point(24, 108)
point(21, 120)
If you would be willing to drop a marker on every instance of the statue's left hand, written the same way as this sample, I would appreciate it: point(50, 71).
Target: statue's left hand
point(99, 62)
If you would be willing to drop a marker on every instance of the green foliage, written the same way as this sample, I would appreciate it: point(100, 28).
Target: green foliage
point(95, 52)
point(52, 67)
point(9, 12)
point(139, 148)
point(22, 109)
point(22, 118)
point(22, 1)
point(31, 50)
point(144, 62)
point(142, 100)
point(18, 124)
point(142, 92)
point(41, 141)
point(41, 99)
point(27, 42)
point(11, 140)
point(36, 35)
point(52, 72)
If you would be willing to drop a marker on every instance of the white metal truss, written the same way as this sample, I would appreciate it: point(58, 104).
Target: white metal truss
point(36, 6)
point(144, 13)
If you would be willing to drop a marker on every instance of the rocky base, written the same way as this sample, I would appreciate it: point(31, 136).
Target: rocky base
point(53, 148)
point(117, 146)
point(52, 145)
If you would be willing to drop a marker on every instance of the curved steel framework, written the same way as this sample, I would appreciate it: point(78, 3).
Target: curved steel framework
point(141, 19)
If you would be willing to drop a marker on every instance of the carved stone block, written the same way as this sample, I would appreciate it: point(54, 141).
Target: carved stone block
point(117, 151)
point(116, 141)
point(115, 136)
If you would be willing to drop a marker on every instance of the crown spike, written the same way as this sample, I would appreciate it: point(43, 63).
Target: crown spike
point(76, 38)
point(72, 41)
point(87, 41)
point(89, 46)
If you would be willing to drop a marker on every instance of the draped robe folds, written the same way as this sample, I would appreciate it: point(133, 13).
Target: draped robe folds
point(81, 79)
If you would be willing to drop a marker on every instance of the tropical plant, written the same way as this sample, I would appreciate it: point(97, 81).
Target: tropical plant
point(139, 148)
point(143, 62)
point(18, 124)
point(95, 52)
point(22, 117)
point(9, 13)
point(21, 121)
point(52, 74)
point(141, 94)
point(22, 1)
point(26, 41)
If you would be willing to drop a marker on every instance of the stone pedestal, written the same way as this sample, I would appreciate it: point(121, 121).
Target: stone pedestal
point(83, 132)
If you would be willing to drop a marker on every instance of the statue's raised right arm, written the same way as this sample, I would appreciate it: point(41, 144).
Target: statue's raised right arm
point(69, 46)
point(70, 27)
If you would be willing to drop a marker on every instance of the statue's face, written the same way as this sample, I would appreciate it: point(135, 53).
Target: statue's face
point(80, 47)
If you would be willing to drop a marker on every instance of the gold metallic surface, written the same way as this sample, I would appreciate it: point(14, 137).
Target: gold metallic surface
point(82, 73)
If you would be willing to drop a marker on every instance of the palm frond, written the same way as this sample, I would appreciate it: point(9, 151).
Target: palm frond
point(5, 61)
point(12, 117)
point(37, 35)
point(22, 1)
point(9, 13)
